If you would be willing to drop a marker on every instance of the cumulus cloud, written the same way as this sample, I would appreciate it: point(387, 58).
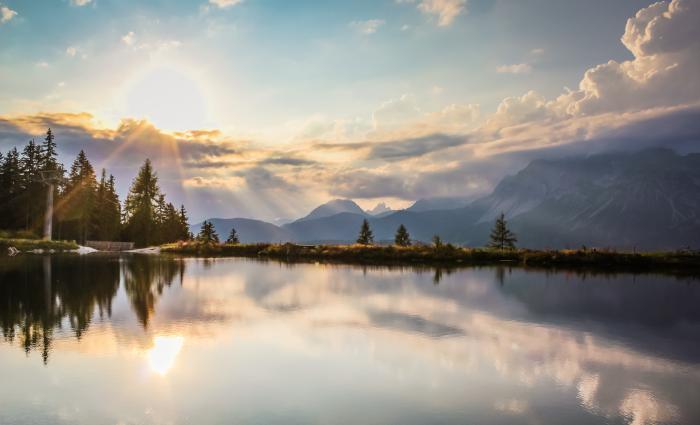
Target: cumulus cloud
point(222, 4)
point(665, 41)
point(445, 10)
point(80, 2)
point(517, 68)
point(129, 38)
point(71, 51)
point(367, 27)
point(6, 14)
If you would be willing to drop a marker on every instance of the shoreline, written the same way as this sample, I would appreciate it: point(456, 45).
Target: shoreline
point(679, 262)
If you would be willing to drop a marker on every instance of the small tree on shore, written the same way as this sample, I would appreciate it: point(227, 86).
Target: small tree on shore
point(402, 237)
point(437, 241)
point(366, 237)
point(207, 234)
point(232, 237)
point(501, 236)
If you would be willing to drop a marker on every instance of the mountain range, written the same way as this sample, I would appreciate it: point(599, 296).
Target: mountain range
point(645, 200)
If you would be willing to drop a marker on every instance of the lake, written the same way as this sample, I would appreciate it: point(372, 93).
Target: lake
point(103, 339)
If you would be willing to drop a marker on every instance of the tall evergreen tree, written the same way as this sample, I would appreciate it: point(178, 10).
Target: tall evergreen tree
point(140, 224)
point(184, 234)
point(10, 188)
point(207, 233)
point(365, 237)
point(49, 154)
point(77, 207)
point(32, 190)
point(501, 236)
point(402, 237)
point(232, 237)
point(106, 214)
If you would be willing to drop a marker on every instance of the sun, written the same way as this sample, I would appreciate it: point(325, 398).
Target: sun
point(169, 97)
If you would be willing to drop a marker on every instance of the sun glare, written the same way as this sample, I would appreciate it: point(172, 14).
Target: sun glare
point(162, 356)
point(168, 97)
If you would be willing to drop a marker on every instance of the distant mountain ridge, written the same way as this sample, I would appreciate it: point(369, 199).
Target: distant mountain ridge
point(645, 200)
point(333, 207)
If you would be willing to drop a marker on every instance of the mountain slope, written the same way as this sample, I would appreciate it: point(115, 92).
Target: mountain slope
point(334, 207)
point(649, 200)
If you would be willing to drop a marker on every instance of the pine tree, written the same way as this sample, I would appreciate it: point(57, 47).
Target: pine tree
point(207, 234)
point(78, 202)
point(49, 153)
point(107, 211)
point(184, 226)
point(437, 242)
point(232, 237)
point(366, 237)
point(32, 191)
point(140, 224)
point(10, 188)
point(402, 237)
point(501, 236)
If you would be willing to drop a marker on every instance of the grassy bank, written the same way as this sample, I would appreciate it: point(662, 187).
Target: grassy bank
point(25, 245)
point(447, 255)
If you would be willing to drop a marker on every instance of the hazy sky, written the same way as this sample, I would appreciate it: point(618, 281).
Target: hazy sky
point(266, 108)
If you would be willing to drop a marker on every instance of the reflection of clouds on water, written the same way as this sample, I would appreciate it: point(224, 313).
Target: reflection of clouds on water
point(522, 336)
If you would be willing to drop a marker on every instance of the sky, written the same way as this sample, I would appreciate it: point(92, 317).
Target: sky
point(264, 109)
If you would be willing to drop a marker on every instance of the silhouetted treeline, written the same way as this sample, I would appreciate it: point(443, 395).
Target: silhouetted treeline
point(84, 208)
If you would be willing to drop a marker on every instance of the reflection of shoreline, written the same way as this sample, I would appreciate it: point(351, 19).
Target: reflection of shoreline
point(43, 292)
point(684, 264)
point(530, 334)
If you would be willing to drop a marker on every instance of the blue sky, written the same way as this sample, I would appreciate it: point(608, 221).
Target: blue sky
point(322, 81)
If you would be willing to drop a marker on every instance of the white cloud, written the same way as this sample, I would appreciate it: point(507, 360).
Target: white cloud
point(445, 10)
point(222, 4)
point(42, 64)
point(6, 14)
point(71, 51)
point(367, 27)
point(665, 41)
point(537, 51)
point(517, 68)
point(80, 2)
point(129, 38)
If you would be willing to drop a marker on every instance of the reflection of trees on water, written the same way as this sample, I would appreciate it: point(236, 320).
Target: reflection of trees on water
point(145, 277)
point(39, 295)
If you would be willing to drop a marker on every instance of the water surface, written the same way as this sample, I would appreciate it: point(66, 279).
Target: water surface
point(157, 340)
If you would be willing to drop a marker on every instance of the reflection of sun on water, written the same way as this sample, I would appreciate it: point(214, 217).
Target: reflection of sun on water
point(161, 357)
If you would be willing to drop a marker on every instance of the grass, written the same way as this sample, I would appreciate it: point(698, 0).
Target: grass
point(32, 244)
point(682, 261)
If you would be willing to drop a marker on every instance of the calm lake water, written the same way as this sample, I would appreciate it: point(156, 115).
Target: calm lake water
point(153, 340)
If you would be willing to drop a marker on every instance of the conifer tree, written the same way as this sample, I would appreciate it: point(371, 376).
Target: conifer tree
point(207, 234)
point(107, 211)
point(184, 226)
point(366, 237)
point(31, 190)
point(437, 242)
point(402, 237)
point(10, 188)
point(232, 237)
point(49, 153)
point(501, 236)
point(78, 202)
point(140, 224)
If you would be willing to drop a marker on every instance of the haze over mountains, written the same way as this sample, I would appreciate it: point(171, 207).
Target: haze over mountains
point(645, 200)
